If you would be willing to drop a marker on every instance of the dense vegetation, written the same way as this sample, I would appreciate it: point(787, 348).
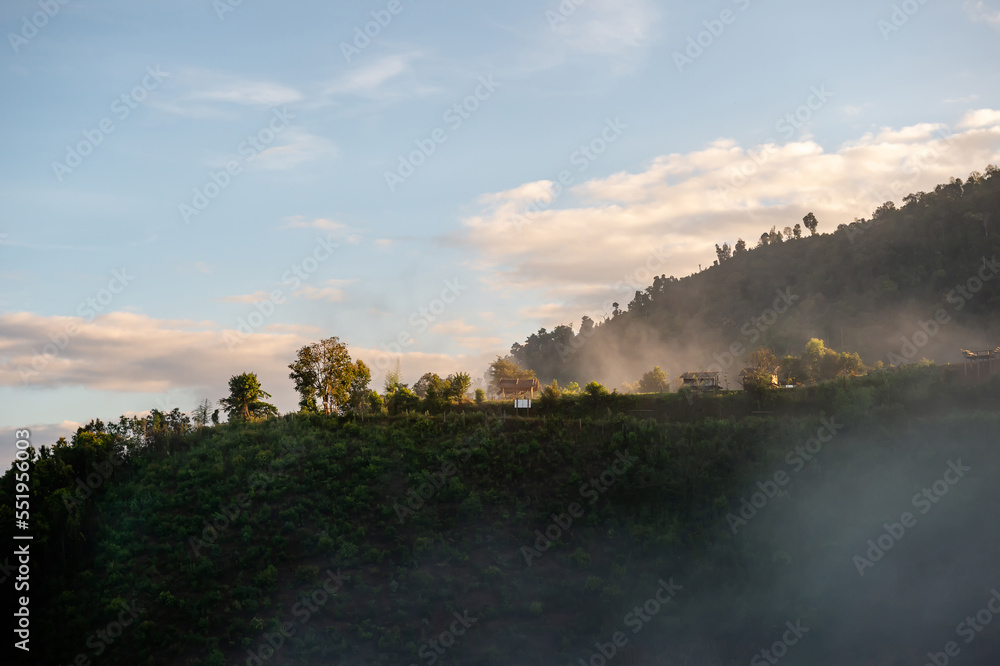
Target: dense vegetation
point(865, 288)
point(215, 536)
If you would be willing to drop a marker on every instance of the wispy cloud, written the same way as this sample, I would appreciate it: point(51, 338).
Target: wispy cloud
point(300, 222)
point(390, 78)
point(611, 235)
point(606, 26)
point(296, 148)
point(206, 94)
point(454, 327)
point(330, 292)
point(255, 297)
point(980, 118)
point(962, 100)
point(981, 13)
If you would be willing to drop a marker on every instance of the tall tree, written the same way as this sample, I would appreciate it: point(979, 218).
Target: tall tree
point(810, 223)
point(459, 385)
point(202, 413)
point(654, 381)
point(358, 392)
point(324, 371)
point(244, 402)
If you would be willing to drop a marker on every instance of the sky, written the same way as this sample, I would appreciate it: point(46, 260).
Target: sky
point(197, 188)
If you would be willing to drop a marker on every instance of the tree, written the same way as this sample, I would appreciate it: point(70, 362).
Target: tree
point(480, 396)
point(789, 233)
point(740, 248)
point(244, 402)
point(759, 373)
point(202, 413)
point(654, 381)
point(324, 371)
point(460, 383)
point(424, 383)
point(810, 223)
point(358, 391)
point(797, 230)
point(724, 252)
point(392, 380)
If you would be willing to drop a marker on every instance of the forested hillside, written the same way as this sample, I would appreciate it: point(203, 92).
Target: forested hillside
point(695, 533)
point(873, 287)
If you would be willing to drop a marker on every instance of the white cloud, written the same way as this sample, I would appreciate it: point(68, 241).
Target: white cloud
point(390, 77)
point(256, 297)
point(607, 237)
point(606, 26)
point(299, 222)
point(980, 118)
point(134, 353)
point(497, 345)
point(296, 148)
point(454, 327)
point(962, 100)
point(330, 293)
point(209, 93)
point(979, 12)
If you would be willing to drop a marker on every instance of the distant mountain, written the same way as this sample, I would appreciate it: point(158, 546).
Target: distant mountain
point(916, 282)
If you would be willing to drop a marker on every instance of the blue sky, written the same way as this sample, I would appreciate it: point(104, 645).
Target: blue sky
point(116, 116)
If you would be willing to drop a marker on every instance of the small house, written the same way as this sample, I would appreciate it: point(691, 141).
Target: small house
point(516, 387)
point(700, 380)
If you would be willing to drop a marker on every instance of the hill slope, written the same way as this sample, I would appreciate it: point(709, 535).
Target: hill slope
point(477, 538)
point(867, 287)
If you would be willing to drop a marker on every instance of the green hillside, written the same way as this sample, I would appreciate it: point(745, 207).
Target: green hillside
point(866, 287)
point(477, 537)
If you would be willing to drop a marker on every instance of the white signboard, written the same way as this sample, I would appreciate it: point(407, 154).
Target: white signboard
point(522, 404)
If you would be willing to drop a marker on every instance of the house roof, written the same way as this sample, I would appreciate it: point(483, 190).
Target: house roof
point(700, 375)
point(528, 383)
